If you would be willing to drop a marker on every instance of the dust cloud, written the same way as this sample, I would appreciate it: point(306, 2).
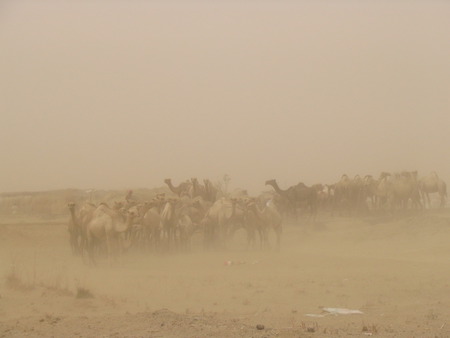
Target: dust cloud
point(350, 98)
point(116, 95)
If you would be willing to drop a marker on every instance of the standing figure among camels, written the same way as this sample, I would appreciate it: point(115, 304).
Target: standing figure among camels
point(432, 184)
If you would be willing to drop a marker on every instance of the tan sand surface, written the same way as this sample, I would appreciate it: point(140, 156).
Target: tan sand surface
point(395, 269)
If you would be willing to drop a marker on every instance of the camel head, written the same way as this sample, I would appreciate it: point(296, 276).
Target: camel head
point(168, 181)
point(71, 205)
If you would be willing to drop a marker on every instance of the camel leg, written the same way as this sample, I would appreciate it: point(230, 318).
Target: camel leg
point(109, 249)
point(90, 249)
point(278, 234)
point(428, 200)
point(443, 195)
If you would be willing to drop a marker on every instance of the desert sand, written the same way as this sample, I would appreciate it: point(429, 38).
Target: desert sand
point(394, 269)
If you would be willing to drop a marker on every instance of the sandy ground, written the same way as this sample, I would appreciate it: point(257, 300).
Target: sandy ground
point(393, 269)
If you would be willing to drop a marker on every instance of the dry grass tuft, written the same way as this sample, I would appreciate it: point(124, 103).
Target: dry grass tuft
point(13, 280)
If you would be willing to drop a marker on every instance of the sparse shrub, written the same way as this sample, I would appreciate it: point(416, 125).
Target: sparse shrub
point(83, 293)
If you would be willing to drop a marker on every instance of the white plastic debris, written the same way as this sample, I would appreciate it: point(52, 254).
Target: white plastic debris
point(316, 315)
point(326, 311)
point(341, 311)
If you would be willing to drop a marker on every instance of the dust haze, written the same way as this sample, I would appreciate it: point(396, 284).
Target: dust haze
point(101, 101)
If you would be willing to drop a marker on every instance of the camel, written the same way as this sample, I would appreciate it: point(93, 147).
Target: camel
point(433, 184)
point(325, 197)
point(106, 226)
point(267, 218)
point(357, 193)
point(383, 190)
point(169, 221)
point(255, 224)
point(181, 190)
point(343, 194)
point(186, 229)
point(77, 226)
point(188, 214)
point(151, 223)
point(370, 190)
point(211, 191)
point(197, 189)
point(297, 196)
point(221, 220)
point(404, 187)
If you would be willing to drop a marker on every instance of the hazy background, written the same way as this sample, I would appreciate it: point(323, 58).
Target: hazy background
point(115, 94)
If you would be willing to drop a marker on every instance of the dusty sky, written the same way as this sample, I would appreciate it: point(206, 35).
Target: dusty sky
point(117, 94)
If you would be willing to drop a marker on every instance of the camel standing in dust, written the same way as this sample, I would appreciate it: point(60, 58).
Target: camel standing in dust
point(370, 190)
point(106, 226)
point(151, 223)
point(78, 226)
point(189, 214)
point(181, 189)
point(404, 187)
point(267, 218)
point(169, 221)
point(350, 195)
point(433, 184)
point(299, 195)
point(211, 191)
point(221, 220)
point(383, 190)
point(255, 224)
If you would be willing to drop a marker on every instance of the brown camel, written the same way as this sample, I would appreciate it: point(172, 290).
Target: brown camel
point(299, 195)
point(181, 189)
point(433, 184)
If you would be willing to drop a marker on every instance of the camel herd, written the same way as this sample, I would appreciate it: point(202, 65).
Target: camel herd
point(167, 223)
